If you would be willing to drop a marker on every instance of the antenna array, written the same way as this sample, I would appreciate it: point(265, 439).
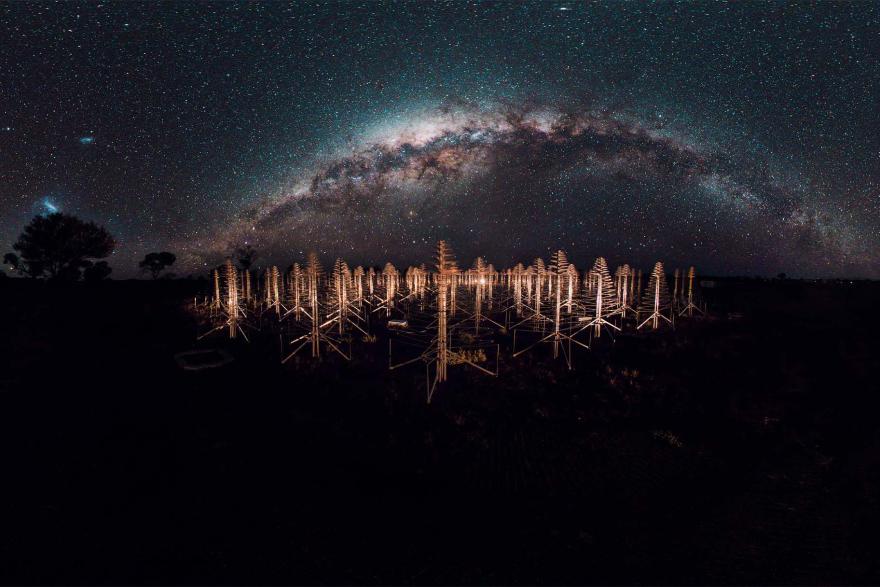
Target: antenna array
point(443, 316)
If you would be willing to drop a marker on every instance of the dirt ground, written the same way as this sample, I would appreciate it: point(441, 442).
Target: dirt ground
point(738, 449)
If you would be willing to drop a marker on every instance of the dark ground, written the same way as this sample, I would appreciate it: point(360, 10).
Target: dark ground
point(730, 451)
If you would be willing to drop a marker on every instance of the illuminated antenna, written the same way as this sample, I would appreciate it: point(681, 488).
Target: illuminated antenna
point(446, 274)
point(491, 277)
point(602, 302)
point(571, 283)
point(226, 284)
point(295, 289)
point(655, 298)
point(556, 278)
point(317, 323)
point(676, 278)
point(313, 275)
point(344, 308)
point(416, 280)
point(371, 281)
point(690, 307)
point(624, 278)
point(217, 299)
point(480, 279)
point(390, 282)
point(231, 281)
point(273, 290)
point(638, 292)
point(246, 294)
point(589, 283)
point(518, 276)
point(341, 282)
point(357, 277)
point(540, 277)
point(433, 336)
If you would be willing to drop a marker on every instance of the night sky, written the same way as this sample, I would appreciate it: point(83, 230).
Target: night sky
point(742, 138)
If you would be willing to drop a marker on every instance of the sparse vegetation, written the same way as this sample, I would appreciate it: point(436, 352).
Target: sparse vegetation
point(156, 263)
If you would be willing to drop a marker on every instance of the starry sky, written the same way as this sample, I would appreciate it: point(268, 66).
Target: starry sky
point(743, 138)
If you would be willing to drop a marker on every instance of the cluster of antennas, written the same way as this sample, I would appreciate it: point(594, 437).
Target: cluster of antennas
point(445, 314)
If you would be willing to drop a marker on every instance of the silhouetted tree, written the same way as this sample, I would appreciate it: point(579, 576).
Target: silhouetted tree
point(245, 256)
point(59, 246)
point(156, 263)
point(95, 272)
point(13, 261)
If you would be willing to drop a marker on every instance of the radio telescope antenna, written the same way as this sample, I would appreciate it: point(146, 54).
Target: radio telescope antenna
point(434, 336)
point(344, 310)
point(313, 275)
point(676, 275)
point(516, 276)
point(416, 279)
point(340, 285)
point(556, 276)
point(540, 278)
point(602, 303)
point(590, 283)
point(690, 307)
point(479, 278)
point(231, 280)
point(357, 277)
point(656, 298)
point(246, 286)
point(571, 281)
point(371, 282)
point(390, 281)
point(639, 286)
point(633, 292)
point(624, 287)
point(226, 283)
point(295, 289)
point(273, 290)
point(313, 310)
point(636, 293)
point(491, 277)
point(446, 274)
point(536, 279)
point(216, 305)
point(454, 281)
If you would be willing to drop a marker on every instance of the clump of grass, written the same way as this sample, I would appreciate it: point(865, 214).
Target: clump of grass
point(669, 438)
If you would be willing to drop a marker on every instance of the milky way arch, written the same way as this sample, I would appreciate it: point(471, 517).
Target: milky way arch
point(513, 182)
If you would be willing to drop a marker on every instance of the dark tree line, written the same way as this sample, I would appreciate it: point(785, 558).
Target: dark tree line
point(156, 263)
point(62, 247)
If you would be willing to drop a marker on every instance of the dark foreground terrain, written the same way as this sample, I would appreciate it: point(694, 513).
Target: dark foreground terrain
point(741, 450)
